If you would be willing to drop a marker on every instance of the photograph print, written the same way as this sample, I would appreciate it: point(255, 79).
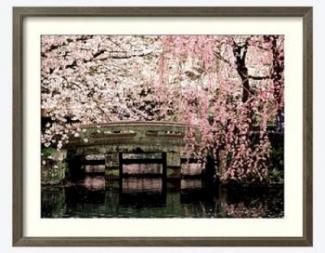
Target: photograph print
point(162, 126)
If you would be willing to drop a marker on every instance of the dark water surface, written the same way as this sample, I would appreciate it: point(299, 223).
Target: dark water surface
point(135, 197)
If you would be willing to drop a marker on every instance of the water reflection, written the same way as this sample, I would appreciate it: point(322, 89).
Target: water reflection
point(138, 193)
point(152, 197)
point(94, 183)
point(191, 184)
point(134, 185)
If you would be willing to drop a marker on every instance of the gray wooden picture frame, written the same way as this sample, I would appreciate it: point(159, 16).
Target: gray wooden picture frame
point(21, 13)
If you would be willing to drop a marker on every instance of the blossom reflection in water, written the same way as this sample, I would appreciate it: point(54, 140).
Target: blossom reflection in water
point(135, 197)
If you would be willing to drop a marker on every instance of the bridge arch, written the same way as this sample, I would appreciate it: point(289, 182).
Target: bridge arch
point(115, 138)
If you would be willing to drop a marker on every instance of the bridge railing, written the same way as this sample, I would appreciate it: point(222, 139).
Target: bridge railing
point(138, 126)
point(130, 131)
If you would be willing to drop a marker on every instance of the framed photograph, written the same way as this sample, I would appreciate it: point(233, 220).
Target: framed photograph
point(162, 126)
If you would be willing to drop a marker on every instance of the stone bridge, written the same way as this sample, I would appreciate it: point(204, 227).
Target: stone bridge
point(113, 140)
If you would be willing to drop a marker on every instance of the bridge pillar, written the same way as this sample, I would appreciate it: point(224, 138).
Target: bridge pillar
point(112, 165)
point(111, 160)
point(173, 159)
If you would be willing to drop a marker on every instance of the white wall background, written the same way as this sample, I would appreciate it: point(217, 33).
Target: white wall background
point(6, 123)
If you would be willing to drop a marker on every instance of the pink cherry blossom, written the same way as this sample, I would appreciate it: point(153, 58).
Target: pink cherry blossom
point(226, 88)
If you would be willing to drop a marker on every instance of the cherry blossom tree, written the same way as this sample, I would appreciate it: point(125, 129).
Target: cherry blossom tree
point(227, 89)
point(94, 79)
point(233, 91)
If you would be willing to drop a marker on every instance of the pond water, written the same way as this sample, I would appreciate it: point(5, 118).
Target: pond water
point(136, 197)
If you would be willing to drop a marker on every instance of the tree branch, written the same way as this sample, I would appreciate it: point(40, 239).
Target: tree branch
point(259, 77)
point(220, 57)
point(125, 56)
